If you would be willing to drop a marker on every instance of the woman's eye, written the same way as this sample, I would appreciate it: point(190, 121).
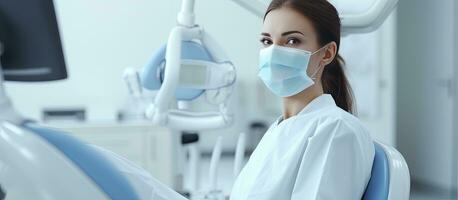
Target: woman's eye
point(265, 42)
point(293, 41)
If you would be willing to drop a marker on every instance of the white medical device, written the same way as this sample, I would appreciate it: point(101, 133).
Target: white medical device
point(191, 64)
point(363, 22)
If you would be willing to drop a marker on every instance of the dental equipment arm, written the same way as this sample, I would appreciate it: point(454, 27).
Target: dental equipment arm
point(370, 20)
point(215, 160)
point(132, 78)
point(186, 15)
point(364, 22)
point(180, 119)
point(239, 154)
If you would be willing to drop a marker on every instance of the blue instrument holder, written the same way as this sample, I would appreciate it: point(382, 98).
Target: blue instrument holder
point(151, 76)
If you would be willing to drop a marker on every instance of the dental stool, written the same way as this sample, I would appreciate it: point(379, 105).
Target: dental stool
point(48, 164)
point(390, 179)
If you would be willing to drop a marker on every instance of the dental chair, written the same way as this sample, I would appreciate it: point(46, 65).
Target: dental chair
point(45, 163)
point(89, 175)
point(390, 179)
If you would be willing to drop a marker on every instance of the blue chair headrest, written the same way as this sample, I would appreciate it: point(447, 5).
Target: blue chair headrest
point(378, 186)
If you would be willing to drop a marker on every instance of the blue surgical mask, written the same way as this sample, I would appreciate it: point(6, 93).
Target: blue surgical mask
point(283, 69)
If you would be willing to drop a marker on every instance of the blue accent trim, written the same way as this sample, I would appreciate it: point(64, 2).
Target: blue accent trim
point(379, 184)
point(152, 80)
point(91, 162)
point(149, 76)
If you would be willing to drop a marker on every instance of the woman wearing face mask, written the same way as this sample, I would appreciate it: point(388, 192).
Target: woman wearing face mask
point(317, 149)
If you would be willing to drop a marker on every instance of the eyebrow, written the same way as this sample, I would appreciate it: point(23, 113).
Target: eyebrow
point(284, 34)
point(291, 32)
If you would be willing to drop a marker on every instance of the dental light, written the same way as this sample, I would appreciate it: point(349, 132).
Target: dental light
point(352, 22)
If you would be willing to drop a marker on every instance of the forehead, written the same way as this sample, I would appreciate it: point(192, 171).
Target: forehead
point(287, 19)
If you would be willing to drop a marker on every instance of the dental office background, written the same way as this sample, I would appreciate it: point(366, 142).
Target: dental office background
point(403, 77)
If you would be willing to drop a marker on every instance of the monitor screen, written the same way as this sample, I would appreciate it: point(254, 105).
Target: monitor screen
point(31, 45)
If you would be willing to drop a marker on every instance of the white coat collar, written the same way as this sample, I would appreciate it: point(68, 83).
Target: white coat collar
point(319, 102)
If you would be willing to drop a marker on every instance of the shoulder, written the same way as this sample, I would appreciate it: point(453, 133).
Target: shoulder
point(344, 130)
point(345, 119)
point(334, 120)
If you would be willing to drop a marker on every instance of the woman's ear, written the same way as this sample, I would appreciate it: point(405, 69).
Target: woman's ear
point(330, 52)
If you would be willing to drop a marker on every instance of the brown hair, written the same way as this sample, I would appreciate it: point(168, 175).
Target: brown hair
point(326, 22)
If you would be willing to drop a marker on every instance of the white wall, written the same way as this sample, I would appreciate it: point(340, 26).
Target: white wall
point(370, 66)
point(100, 39)
point(384, 124)
point(426, 99)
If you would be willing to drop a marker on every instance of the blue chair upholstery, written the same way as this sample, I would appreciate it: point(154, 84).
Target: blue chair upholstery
point(92, 163)
point(378, 186)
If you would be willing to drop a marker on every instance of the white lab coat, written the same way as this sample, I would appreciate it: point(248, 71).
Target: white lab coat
point(321, 153)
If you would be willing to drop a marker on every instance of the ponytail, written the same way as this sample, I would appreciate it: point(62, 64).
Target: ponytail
point(335, 83)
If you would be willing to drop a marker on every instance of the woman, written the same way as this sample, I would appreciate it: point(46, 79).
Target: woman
point(317, 149)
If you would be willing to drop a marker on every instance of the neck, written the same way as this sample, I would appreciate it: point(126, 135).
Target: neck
point(294, 104)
